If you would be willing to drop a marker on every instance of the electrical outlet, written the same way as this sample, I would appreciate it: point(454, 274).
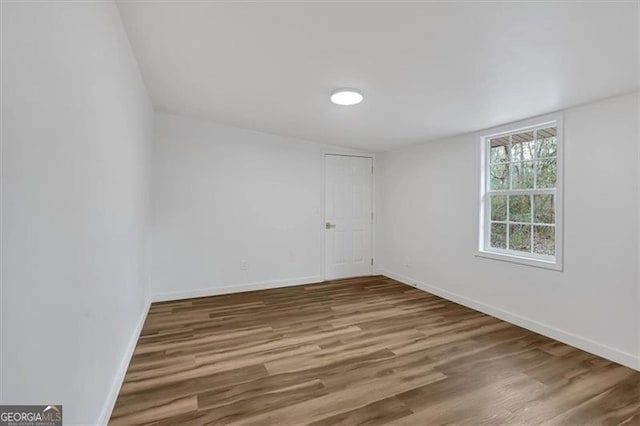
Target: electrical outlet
point(244, 265)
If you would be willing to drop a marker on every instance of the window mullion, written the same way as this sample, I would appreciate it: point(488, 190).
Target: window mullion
point(507, 222)
point(508, 230)
point(535, 159)
point(542, 191)
point(531, 225)
point(510, 162)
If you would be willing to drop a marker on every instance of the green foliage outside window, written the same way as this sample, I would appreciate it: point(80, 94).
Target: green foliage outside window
point(523, 161)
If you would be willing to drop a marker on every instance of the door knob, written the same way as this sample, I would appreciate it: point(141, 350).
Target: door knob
point(328, 225)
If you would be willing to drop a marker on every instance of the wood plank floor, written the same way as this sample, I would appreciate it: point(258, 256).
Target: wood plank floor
point(360, 351)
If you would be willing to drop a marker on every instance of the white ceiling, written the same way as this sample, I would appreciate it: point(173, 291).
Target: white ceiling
point(427, 70)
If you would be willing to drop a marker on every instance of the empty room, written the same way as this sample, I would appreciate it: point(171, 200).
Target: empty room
point(319, 212)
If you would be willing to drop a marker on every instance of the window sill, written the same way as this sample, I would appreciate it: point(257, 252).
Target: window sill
point(538, 263)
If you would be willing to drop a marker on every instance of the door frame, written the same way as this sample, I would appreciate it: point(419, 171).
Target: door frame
point(323, 243)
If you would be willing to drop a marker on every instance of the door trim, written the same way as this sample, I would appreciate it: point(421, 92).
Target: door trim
point(323, 240)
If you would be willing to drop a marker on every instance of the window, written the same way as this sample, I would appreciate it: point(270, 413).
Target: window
point(521, 194)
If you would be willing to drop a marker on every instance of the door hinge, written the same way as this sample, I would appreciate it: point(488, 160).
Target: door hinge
point(372, 261)
point(371, 169)
point(371, 215)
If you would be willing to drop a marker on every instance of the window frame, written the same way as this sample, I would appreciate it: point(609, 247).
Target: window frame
point(483, 248)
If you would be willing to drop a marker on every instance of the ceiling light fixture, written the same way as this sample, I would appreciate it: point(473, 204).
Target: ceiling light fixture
point(346, 97)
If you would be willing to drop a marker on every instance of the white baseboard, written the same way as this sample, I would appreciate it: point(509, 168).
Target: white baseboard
point(215, 291)
point(612, 354)
point(122, 369)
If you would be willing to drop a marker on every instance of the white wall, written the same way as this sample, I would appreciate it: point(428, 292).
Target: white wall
point(638, 139)
point(76, 134)
point(223, 195)
point(427, 232)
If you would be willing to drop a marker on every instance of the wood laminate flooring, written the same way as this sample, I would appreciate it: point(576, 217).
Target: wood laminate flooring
point(360, 351)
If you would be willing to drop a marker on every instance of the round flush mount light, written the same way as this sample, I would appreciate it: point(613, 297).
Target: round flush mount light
point(346, 97)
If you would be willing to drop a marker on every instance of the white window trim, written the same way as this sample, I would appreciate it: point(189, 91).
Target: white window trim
point(530, 259)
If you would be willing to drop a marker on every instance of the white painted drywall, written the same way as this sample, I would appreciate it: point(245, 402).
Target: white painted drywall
point(223, 196)
point(76, 137)
point(638, 165)
point(427, 225)
point(422, 65)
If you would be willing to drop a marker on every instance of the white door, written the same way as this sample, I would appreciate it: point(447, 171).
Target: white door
point(348, 216)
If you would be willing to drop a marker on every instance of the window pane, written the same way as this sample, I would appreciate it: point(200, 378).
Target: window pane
point(499, 207)
point(522, 175)
point(499, 150)
point(520, 208)
point(544, 209)
point(544, 240)
point(499, 178)
point(499, 235)
point(520, 237)
point(547, 142)
point(547, 173)
point(522, 146)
